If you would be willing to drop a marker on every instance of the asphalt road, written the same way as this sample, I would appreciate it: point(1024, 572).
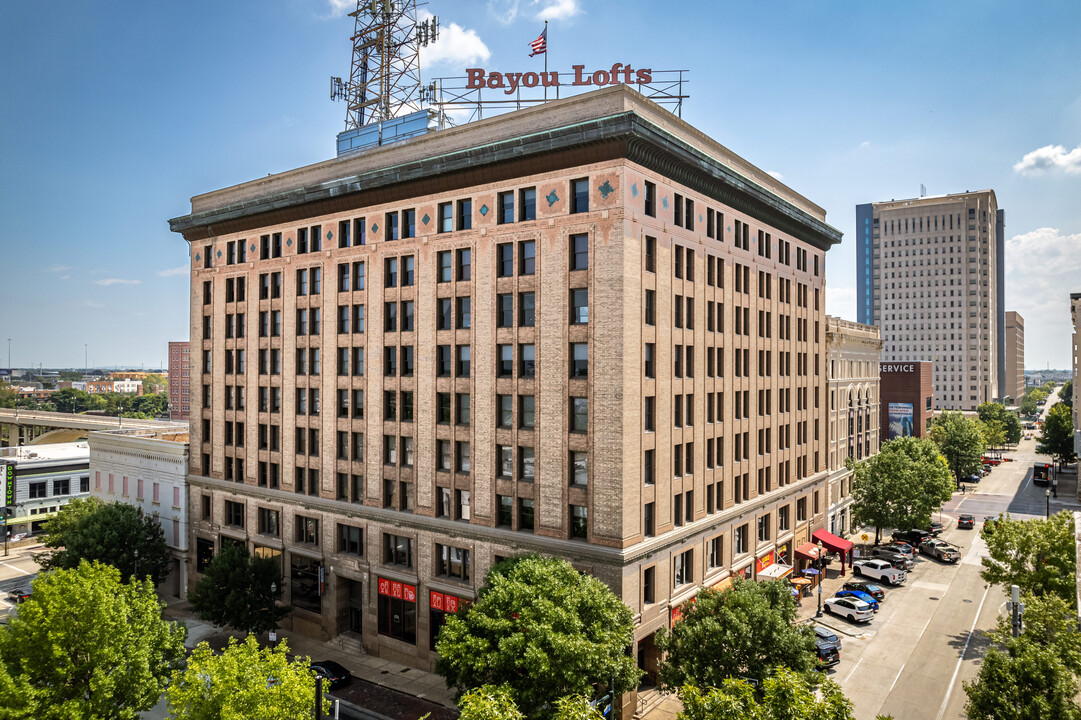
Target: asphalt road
point(911, 660)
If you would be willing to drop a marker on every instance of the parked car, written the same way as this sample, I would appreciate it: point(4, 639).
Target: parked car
point(893, 557)
point(859, 595)
point(972, 479)
point(913, 537)
point(902, 543)
point(824, 634)
point(966, 522)
point(332, 671)
point(902, 547)
point(940, 550)
point(851, 608)
point(18, 595)
point(935, 528)
point(989, 524)
point(829, 654)
point(881, 570)
point(863, 586)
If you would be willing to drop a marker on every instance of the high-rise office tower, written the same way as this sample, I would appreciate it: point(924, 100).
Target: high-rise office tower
point(1015, 357)
point(583, 329)
point(930, 274)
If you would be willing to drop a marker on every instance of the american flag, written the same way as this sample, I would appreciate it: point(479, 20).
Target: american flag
point(540, 45)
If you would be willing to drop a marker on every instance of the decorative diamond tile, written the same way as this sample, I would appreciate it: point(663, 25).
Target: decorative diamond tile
point(664, 202)
point(552, 198)
point(729, 230)
point(330, 235)
point(483, 209)
point(198, 257)
point(699, 217)
point(425, 219)
point(634, 189)
point(375, 228)
point(289, 242)
point(605, 189)
point(219, 254)
point(252, 248)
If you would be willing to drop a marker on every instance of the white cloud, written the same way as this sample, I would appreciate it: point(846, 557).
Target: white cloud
point(776, 175)
point(1042, 267)
point(117, 281)
point(558, 10)
point(841, 302)
point(456, 46)
point(171, 272)
point(58, 268)
point(1050, 157)
point(505, 11)
point(341, 7)
point(864, 145)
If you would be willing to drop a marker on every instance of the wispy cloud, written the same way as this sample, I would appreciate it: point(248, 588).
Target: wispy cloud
point(341, 7)
point(774, 174)
point(841, 302)
point(559, 10)
point(58, 268)
point(171, 272)
point(117, 281)
point(1042, 267)
point(864, 145)
point(1049, 158)
point(92, 305)
point(456, 46)
point(505, 11)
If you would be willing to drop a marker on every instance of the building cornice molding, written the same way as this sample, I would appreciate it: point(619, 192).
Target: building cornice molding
point(625, 135)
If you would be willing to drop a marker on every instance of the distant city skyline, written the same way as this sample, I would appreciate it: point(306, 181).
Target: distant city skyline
point(847, 104)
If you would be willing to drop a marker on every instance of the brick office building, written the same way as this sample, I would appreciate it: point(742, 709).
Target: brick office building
point(179, 380)
point(908, 399)
point(583, 329)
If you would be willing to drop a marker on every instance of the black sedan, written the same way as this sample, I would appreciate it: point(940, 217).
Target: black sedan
point(19, 595)
point(966, 521)
point(332, 671)
point(870, 588)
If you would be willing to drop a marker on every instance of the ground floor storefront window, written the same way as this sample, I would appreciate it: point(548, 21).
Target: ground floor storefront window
point(307, 583)
point(398, 610)
point(440, 607)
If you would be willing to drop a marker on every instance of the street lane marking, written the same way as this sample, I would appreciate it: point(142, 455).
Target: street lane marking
point(853, 669)
point(896, 678)
point(17, 569)
point(957, 668)
point(933, 587)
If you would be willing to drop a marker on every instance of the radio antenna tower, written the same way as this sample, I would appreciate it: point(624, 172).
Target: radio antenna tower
point(384, 80)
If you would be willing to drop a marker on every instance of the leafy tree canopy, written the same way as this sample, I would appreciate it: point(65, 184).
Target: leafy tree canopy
point(743, 632)
point(244, 681)
point(8, 396)
point(113, 533)
point(1029, 405)
point(901, 486)
point(497, 703)
point(1050, 621)
point(960, 441)
point(1011, 426)
point(1036, 555)
point(543, 630)
point(239, 590)
point(1065, 395)
point(1027, 681)
point(1057, 436)
point(87, 645)
point(786, 695)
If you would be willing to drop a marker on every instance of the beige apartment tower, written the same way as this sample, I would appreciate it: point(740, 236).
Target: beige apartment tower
point(584, 329)
point(1015, 357)
point(930, 275)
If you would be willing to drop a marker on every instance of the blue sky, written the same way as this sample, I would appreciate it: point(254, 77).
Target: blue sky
point(114, 114)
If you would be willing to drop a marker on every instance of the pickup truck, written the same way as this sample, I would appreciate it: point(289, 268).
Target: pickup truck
point(940, 550)
point(879, 570)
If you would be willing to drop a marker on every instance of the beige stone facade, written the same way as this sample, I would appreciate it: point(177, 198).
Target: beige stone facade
point(1075, 315)
point(931, 279)
point(1015, 357)
point(853, 352)
point(598, 334)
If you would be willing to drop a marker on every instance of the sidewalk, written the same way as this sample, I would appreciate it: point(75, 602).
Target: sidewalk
point(400, 692)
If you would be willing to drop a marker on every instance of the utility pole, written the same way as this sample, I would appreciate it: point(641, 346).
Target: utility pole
point(1017, 608)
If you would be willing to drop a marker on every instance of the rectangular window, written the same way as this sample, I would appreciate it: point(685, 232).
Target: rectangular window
point(579, 421)
point(579, 517)
point(526, 464)
point(579, 469)
point(506, 207)
point(528, 258)
point(527, 308)
point(306, 530)
point(527, 204)
point(683, 568)
point(650, 200)
point(444, 266)
point(446, 217)
point(525, 514)
point(452, 562)
point(579, 306)
point(269, 523)
point(350, 540)
point(579, 355)
point(580, 196)
point(465, 265)
point(397, 550)
point(579, 251)
point(505, 260)
point(465, 214)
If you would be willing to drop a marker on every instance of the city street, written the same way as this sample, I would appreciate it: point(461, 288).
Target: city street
point(911, 660)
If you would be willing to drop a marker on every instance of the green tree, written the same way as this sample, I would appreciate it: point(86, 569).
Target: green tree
point(786, 695)
point(743, 632)
point(901, 486)
point(1065, 395)
point(990, 412)
point(90, 646)
point(239, 590)
point(16, 695)
point(960, 441)
point(1056, 439)
point(244, 681)
point(1048, 620)
point(8, 396)
point(157, 379)
point(1028, 405)
point(994, 433)
point(1036, 555)
point(58, 528)
point(497, 703)
point(544, 630)
point(1027, 681)
point(116, 534)
point(70, 400)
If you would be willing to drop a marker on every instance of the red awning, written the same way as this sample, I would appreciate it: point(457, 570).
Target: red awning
point(807, 551)
point(832, 542)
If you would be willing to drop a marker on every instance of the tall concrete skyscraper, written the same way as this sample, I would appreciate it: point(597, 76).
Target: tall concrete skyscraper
point(930, 275)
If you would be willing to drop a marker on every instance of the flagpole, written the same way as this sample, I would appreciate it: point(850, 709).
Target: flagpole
point(546, 64)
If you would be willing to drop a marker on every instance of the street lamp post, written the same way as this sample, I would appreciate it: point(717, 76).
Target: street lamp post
point(1047, 497)
point(136, 563)
point(821, 575)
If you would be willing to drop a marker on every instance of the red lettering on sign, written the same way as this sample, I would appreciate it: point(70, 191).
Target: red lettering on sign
point(435, 600)
point(476, 78)
point(396, 590)
point(384, 586)
point(451, 603)
point(409, 592)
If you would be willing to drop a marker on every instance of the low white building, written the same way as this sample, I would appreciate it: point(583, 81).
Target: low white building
point(37, 480)
point(128, 386)
point(149, 470)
